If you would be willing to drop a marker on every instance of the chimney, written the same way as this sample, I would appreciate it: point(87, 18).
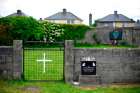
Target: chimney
point(90, 19)
point(64, 11)
point(41, 19)
point(138, 21)
point(19, 12)
point(115, 13)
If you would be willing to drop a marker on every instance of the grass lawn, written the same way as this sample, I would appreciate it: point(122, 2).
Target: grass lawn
point(35, 70)
point(61, 87)
point(103, 46)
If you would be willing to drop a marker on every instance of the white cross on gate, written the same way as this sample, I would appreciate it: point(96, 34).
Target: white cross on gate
point(44, 60)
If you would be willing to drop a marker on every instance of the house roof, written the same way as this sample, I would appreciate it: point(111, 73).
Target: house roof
point(115, 18)
point(63, 16)
point(18, 13)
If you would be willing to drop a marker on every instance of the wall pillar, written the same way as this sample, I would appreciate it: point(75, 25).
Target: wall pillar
point(17, 59)
point(69, 61)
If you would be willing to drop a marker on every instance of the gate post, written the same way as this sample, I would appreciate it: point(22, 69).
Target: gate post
point(17, 59)
point(69, 61)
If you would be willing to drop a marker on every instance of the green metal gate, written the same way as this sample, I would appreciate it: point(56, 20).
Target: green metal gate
point(43, 61)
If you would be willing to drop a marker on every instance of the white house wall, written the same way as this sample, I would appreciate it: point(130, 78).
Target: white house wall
point(64, 21)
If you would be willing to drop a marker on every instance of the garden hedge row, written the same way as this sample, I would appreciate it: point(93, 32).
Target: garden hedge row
point(28, 28)
point(74, 32)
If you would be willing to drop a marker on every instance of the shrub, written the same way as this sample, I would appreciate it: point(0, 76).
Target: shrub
point(74, 32)
point(5, 38)
point(53, 32)
point(21, 27)
point(61, 32)
point(123, 43)
point(27, 28)
point(94, 25)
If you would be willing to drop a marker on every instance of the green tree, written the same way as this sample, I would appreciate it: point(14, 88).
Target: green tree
point(21, 27)
point(5, 38)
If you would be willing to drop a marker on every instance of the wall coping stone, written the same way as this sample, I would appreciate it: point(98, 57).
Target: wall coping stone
point(108, 48)
point(6, 46)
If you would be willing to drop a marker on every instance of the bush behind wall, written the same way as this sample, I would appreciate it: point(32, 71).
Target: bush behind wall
point(74, 32)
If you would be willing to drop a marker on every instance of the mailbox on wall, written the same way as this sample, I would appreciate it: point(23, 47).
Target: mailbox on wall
point(88, 66)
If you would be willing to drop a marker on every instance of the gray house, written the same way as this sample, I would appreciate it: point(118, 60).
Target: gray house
point(64, 17)
point(115, 20)
point(18, 13)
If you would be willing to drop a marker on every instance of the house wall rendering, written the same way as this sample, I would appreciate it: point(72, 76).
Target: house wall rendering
point(65, 21)
point(116, 24)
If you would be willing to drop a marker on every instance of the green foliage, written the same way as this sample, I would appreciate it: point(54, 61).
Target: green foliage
point(123, 43)
point(94, 25)
point(53, 32)
point(27, 28)
point(24, 28)
point(74, 32)
point(87, 45)
point(4, 35)
point(44, 45)
point(61, 87)
point(61, 32)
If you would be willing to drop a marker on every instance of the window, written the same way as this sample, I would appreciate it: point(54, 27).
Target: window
point(70, 21)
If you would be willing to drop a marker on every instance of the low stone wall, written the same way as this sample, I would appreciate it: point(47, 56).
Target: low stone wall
point(130, 35)
point(6, 58)
point(136, 35)
point(11, 61)
point(112, 65)
point(88, 38)
point(103, 34)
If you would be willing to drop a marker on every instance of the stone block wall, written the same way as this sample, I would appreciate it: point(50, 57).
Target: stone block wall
point(69, 61)
point(130, 35)
point(103, 34)
point(112, 65)
point(11, 61)
point(136, 34)
point(6, 58)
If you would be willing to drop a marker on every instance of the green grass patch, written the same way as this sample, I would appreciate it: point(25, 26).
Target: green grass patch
point(34, 70)
point(85, 45)
point(61, 87)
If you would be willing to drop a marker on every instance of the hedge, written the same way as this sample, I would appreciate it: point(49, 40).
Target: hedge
point(20, 27)
point(27, 28)
point(74, 32)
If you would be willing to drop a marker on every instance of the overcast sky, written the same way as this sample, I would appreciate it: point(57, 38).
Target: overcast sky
point(81, 8)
